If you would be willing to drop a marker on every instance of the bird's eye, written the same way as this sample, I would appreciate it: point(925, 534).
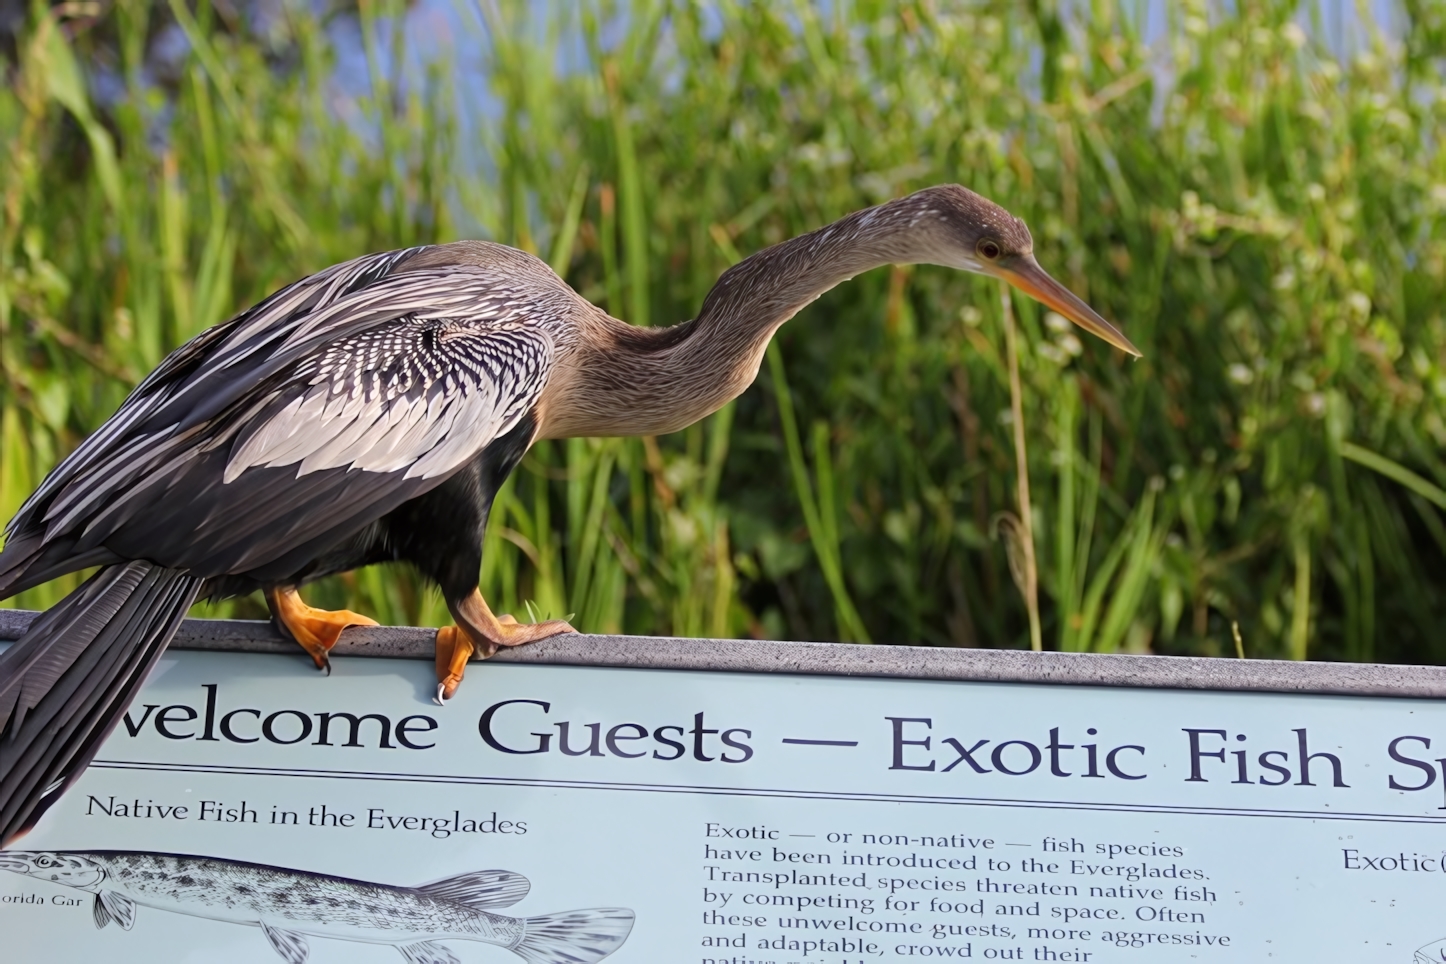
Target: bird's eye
point(989, 249)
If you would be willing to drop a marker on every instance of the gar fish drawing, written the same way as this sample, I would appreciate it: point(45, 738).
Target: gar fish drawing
point(291, 905)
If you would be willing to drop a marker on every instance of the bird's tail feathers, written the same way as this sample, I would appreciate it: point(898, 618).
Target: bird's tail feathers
point(66, 682)
point(30, 559)
point(573, 936)
point(17, 558)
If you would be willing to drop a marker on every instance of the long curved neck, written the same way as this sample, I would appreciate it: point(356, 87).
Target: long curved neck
point(649, 381)
point(758, 294)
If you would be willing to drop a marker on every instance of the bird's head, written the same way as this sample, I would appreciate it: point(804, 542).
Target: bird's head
point(72, 870)
point(972, 233)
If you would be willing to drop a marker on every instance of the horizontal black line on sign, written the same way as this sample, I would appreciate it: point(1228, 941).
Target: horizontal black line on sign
point(820, 742)
point(765, 792)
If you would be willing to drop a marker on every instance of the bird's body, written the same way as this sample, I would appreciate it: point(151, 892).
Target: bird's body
point(369, 413)
point(274, 448)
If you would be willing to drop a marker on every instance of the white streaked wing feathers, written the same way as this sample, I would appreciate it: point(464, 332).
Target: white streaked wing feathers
point(479, 419)
point(333, 455)
point(153, 392)
point(418, 395)
point(486, 368)
point(386, 452)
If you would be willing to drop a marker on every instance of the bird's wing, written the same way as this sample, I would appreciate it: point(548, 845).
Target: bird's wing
point(200, 366)
point(309, 416)
point(415, 397)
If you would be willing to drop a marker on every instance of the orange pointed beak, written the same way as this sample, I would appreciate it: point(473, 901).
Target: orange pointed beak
point(1026, 275)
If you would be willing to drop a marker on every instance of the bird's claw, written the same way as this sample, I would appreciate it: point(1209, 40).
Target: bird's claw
point(315, 630)
point(486, 634)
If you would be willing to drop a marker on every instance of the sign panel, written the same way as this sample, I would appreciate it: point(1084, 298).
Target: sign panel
point(247, 809)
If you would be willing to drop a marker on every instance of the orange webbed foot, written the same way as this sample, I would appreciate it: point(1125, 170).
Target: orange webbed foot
point(314, 630)
point(479, 633)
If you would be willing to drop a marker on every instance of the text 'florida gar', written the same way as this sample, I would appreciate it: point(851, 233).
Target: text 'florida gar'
point(289, 905)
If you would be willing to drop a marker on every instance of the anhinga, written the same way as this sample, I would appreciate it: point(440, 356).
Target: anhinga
point(370, 412)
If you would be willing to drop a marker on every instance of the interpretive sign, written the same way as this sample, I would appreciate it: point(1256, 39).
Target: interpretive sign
point(560, 813)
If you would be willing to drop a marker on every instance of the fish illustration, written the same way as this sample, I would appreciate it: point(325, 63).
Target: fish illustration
point(291, 905)
point(1433, 953)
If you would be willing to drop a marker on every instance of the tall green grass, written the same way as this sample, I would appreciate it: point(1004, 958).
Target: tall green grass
point(1263, 219)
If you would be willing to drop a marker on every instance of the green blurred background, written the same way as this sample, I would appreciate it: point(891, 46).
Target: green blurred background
point(1253, 190)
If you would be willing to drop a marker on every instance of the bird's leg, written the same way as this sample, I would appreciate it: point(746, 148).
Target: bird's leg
point(478, 632)
point(315, 630)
